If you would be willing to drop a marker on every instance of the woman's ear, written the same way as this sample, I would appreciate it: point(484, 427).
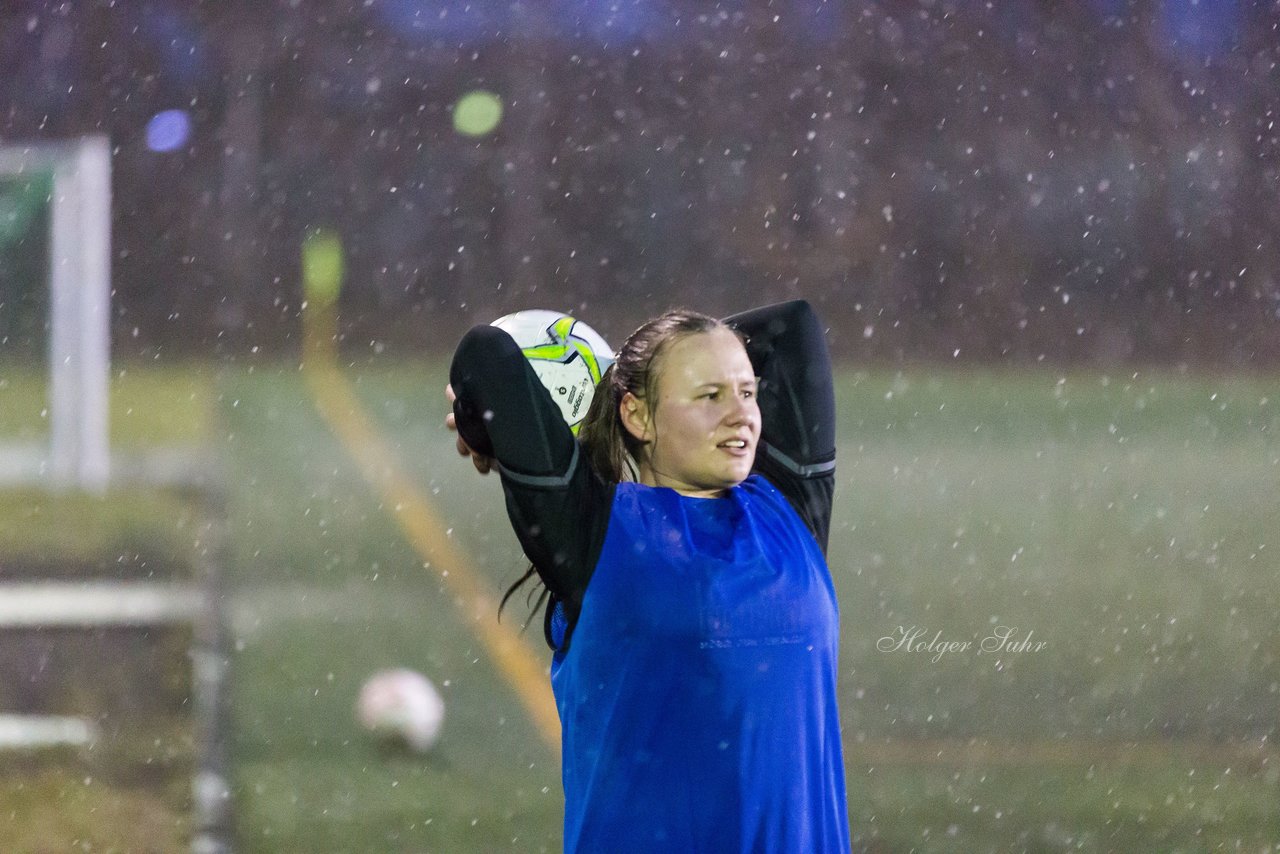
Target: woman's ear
point(634, 414)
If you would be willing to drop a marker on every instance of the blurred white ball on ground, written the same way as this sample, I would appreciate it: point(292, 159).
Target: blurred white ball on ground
point(402, 705)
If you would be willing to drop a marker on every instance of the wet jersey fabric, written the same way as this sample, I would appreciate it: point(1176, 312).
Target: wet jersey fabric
point(698, 698)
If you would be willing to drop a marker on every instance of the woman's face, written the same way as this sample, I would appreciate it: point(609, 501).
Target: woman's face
point(702, 437)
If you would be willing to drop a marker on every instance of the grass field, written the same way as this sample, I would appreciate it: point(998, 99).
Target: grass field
point(131, 790)
point(1124, 522)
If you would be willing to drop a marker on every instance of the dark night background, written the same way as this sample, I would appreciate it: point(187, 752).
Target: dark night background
point(1090, 183)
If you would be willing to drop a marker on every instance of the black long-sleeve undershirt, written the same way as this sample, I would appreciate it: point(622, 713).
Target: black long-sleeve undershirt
point(559, 506)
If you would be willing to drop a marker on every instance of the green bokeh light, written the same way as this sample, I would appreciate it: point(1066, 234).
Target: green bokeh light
point(322, 267)
point(477, 113)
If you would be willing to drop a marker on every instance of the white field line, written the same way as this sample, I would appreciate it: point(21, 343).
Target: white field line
point(29, 464)
point(99, 603)
point(26, 731)
point(23, 464)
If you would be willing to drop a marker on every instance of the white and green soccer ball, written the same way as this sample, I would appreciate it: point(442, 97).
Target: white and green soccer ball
point(403, 707)
point(568, 356)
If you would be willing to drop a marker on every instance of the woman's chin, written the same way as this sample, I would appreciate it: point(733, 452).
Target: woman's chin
point(735, 476)
point(741, 468)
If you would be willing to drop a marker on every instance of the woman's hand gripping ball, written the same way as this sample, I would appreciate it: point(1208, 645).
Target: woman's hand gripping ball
point(482, 463)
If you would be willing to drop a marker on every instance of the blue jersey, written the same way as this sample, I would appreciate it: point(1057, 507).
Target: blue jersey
point(698, 697)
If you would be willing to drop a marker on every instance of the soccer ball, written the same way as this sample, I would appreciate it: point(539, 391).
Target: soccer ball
point(568, 356)
point(402, 706)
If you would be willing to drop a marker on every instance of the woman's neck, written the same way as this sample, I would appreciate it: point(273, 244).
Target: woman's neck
point(649, 477)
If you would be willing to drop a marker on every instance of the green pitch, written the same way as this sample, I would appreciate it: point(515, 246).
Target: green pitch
point(132, 790)
point(1123, 522)
point(1122, 526)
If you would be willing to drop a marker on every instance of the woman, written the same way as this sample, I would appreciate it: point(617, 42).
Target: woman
point(691, 610)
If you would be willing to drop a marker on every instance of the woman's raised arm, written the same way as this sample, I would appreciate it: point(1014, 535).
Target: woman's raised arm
point(558, 506)
point(797, 406)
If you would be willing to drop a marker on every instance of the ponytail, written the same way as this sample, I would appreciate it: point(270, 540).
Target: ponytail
point(610, 448)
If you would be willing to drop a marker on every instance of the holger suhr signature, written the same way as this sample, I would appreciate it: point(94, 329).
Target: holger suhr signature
point(1002, 639)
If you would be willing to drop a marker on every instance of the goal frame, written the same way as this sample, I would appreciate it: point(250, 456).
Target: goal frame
point(78, 454)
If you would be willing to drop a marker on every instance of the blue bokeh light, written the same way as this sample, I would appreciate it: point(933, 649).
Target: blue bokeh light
point(1204, 28)
point(618, 22)
point(168, 130)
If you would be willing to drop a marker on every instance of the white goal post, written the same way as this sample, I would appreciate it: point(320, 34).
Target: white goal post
point(80, 305)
